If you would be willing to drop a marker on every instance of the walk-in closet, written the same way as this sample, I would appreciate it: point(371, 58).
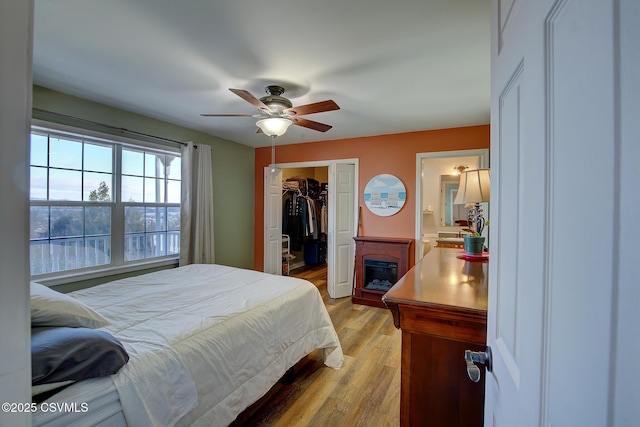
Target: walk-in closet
point(304, 217)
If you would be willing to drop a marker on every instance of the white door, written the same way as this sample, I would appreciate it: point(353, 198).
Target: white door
point(342, 230)
point(16, 27)
point(273, 220)
point(553, 281)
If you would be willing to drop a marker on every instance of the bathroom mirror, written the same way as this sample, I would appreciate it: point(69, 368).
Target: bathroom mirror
point(450, 214)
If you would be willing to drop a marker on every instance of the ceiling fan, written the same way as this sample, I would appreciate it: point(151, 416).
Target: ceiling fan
point(274, 106)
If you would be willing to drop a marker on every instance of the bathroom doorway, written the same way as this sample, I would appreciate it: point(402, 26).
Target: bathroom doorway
point(435, 185)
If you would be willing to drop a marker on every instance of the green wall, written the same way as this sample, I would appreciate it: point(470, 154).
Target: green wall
point(232, 164)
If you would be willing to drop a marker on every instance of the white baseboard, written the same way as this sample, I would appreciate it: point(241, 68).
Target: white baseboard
point(295, 265)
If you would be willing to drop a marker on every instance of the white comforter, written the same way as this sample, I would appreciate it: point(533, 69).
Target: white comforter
point(206, 341)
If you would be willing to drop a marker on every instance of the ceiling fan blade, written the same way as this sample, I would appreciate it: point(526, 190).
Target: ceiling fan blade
point(298, 121)
point(246, 95)
point(317, 107)
point(231, 115)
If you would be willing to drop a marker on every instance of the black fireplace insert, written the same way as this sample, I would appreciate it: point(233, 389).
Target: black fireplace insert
point(380, 275)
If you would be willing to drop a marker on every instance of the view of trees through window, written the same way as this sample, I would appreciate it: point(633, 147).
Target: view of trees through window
point(76, 216)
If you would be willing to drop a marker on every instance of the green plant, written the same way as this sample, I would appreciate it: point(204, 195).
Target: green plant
point(471, 232)
point(474, 233)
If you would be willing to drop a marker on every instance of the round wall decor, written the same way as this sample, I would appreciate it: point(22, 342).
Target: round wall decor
point(385, 194)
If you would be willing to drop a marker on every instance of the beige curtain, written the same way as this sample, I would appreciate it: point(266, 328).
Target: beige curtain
point(196, 214)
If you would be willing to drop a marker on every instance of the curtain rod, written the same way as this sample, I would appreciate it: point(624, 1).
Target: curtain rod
point(123, 130)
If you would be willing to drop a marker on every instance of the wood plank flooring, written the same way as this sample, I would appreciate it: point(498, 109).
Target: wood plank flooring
point(365, 392)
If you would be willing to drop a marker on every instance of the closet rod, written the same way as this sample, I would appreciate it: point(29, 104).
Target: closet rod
point(123, 130)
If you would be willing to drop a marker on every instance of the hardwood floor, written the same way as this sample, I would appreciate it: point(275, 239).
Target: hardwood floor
point(365, 392)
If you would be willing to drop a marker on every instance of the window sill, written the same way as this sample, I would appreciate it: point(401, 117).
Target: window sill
point(78, 276)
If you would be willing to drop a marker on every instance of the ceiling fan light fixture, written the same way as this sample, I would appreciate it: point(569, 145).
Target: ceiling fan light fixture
point(274, 126)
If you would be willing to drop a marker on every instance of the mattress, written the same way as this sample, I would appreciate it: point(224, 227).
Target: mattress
point(205, 342)
point(93, 402)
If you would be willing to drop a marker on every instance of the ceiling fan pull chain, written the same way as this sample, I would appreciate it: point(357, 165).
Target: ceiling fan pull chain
point(273, 153)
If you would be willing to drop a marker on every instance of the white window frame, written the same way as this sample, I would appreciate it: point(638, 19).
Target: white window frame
point(117, 265)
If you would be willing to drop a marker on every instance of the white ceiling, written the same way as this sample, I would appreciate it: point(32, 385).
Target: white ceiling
point(392, 66)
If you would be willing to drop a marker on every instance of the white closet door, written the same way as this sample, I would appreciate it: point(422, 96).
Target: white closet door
point(273, 220)
point(342, 229)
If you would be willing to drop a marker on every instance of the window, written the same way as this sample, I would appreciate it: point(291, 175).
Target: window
point(98, 203)
point(151, 199)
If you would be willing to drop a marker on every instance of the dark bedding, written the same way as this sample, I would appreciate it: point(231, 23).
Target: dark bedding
point(63, 354)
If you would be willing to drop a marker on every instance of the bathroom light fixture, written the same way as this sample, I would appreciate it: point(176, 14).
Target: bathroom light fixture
point(274, 126)
point(458, 169)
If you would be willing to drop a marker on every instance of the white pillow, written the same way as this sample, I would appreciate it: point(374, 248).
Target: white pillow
point(52, 308)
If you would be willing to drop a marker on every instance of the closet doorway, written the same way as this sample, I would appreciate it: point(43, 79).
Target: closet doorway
point(341, 200)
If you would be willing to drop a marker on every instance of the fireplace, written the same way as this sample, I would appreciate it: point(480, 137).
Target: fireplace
point(380, 275)
point(380, 263)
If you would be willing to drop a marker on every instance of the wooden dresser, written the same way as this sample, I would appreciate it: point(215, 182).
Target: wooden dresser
point(441, 307)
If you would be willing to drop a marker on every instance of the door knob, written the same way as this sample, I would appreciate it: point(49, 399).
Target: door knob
point(473, 357)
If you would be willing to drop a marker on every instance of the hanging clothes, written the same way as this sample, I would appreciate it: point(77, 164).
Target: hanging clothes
point(312, 224)
point(324, 219)
point(293, 219)
point(304, 215)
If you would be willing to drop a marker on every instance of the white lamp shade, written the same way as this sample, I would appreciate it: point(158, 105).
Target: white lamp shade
point(474, 187)
point(274, 126)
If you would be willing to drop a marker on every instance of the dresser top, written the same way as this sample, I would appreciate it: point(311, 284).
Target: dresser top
point(441, 280)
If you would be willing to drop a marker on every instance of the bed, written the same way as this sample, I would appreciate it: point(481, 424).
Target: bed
point(203, 343)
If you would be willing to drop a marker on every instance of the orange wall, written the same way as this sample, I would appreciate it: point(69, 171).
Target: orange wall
point(393, 154)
